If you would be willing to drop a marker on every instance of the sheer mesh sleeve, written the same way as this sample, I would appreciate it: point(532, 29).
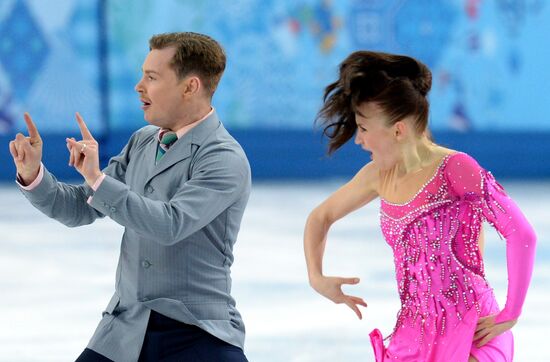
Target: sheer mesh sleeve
point(472, 183)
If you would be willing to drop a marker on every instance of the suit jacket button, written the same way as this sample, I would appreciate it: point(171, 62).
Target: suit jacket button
point(146, 264)
point(150, 189)
point(113, 209)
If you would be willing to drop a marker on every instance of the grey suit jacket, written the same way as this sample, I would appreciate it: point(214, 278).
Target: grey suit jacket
point(181, 219)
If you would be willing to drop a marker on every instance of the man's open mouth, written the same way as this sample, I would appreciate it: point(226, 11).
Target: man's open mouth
point(144, 103)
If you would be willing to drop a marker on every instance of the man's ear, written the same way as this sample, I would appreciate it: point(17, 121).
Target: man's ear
point(191, 85)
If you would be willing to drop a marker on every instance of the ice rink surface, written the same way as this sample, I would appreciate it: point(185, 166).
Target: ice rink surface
point(55, 281)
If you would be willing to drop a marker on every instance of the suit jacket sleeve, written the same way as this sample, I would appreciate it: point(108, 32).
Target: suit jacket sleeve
point(67, 203)
point(219, 178)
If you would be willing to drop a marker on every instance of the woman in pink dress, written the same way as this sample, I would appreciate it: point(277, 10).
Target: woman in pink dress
point(433, 201)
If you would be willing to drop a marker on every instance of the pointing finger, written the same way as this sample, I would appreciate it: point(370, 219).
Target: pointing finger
point(33, 131)
point(86, 134)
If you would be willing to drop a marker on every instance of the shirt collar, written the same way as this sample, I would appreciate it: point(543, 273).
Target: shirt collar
point(185, 129)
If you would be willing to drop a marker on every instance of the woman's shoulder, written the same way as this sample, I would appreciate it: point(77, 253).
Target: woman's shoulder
point(459, 160)
point(369, 175)
point(463, 173)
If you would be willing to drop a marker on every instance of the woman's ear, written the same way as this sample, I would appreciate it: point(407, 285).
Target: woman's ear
point(400, 130)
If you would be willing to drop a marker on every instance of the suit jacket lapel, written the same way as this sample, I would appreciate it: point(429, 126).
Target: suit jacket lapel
point(147, 165)
point(182, 148)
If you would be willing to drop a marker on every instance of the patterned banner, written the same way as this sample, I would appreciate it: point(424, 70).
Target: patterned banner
point(488, 58)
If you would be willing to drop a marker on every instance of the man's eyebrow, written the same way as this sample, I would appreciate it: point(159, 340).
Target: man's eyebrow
point(150, 71)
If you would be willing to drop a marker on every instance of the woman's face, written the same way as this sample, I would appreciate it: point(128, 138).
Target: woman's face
point(375, 136)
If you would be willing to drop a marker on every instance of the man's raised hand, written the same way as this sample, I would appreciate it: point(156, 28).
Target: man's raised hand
point(27, 152)
point(84, 154)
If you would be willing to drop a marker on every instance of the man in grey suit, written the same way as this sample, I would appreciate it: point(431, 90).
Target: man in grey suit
point(179, 187)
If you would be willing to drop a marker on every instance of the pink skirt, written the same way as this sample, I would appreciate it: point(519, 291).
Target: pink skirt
point(456, 344)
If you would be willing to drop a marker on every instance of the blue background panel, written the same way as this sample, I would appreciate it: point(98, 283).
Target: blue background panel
point(300, 154)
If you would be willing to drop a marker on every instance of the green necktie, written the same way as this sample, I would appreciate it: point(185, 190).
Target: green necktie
point(167, 139)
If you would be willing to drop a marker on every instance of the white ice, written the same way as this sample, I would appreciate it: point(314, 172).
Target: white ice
point(55, 281)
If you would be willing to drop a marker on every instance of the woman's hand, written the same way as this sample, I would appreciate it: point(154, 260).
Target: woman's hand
point(331, 288)
point(487, 329)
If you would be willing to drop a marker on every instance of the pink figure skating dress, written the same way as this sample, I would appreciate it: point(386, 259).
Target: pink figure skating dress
point(439, 267)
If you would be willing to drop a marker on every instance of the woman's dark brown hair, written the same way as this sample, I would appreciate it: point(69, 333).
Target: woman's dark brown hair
point(396, 83)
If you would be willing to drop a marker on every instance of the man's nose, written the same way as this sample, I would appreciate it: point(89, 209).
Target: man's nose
point(357, 139)
point(138, 88)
